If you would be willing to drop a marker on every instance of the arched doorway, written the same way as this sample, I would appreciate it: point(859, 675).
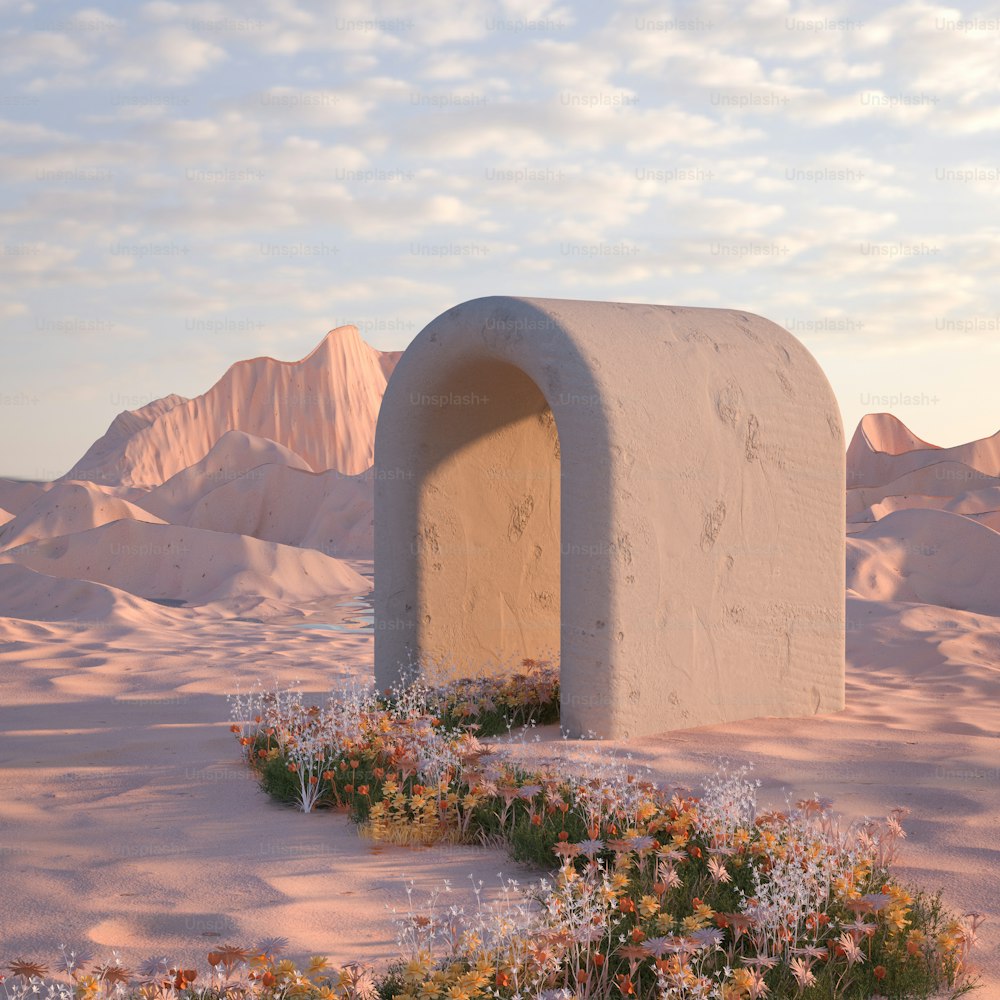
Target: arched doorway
point(487, 534)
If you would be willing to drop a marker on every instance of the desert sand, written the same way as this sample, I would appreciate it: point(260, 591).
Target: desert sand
point(127, 819)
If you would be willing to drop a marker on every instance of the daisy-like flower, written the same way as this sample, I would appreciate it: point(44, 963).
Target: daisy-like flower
point(717, 869)
point(657, 946)
point(358, 982)
point(670, 854)
point(739, 922)
point(27, 970)
point(634, 952)
point(802, 972)
point(859, 928)
point(590, 848)
point(852, 952)
point(760, 962)
point(155, 967)
point(565, 850)
point(756, 986)
point(641, 843)
point(878, 901)
point(811, 951)
point(74, 960)
point(619, 846)
point(271, 946)
point(709, 938)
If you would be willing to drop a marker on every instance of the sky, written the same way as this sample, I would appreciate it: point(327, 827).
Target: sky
point(188, 184)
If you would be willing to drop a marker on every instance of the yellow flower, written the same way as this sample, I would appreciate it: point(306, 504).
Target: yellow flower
point(649, 905)
point(701, 917)
point(952, 937)
point(897, 918)
point(317, 964)
point(414, 971)
point(87, 987)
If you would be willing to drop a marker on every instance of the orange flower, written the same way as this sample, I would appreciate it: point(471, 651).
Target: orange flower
point(880, 972)
point(183, 977)
point(599, 959)
point(625, 985)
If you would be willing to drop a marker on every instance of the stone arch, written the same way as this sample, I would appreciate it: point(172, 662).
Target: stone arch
point(688, 473)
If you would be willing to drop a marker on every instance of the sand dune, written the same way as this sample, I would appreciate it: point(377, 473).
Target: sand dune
point(233, 456)
point(66, 508)
point(884, 449)
point(326, 511)
point(938, 479)
point(16, 494)
point(882, 432)
point(974, 503)
point(323, 408)
point(171, 562)
point(26, 594)
point(927, 557)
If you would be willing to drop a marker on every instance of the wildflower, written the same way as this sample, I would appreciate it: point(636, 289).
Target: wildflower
point(641, 843)
point(717, 869)
point(28, 970)
point(669, 854)
point(154, 968)
point(590, 848)
point(755, 985)
point(708, 937)
point(566, 851)
point(802, 972)
point(848, 948)
point(183, 978)
point(270, 947)
point(812, 952)
point(633, 952)
point(625, 985)
point(915, 941)
point(761, 961)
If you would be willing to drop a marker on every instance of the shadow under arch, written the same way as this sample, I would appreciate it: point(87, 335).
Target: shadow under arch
point(493, 505)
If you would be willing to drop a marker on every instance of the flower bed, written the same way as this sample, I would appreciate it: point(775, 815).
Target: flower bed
point(653, 892)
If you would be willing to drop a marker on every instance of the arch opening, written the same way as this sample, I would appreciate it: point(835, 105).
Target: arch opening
point(487, 533)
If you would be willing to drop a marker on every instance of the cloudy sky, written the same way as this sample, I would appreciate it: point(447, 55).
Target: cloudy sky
point(188, 184)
